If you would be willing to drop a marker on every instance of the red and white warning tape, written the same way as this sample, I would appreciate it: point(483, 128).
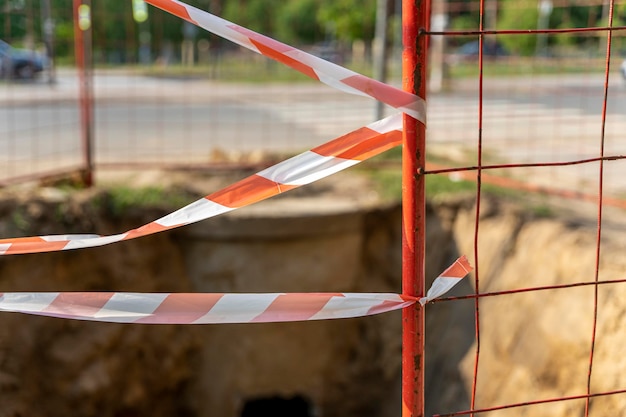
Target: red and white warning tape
point(207, 308)
point(324, 160)
point(302, 169)
point(448, 279)
point(200, 308)
point(319, 69)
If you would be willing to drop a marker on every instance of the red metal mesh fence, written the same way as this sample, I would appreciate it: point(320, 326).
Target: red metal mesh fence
point(543, 113)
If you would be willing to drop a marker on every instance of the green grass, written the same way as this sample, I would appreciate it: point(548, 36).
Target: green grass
point(442, 184)
point(389, 184)
point(122, 198)
point(385, 171)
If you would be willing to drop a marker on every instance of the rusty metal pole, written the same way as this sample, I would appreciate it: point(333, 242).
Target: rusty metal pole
point(82, 52)
point(415, 15)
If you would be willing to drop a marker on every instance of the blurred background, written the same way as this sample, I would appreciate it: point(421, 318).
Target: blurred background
point(90, 87)
point(140, 87)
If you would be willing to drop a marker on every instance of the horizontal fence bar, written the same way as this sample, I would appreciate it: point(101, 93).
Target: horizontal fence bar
point(530, 289)
point(521, 31)
point(529, 403)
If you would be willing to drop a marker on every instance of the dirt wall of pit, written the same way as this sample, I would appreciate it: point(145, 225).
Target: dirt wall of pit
point(533, 345)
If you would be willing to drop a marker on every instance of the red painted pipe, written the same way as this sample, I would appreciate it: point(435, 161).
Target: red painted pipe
point(415, 15)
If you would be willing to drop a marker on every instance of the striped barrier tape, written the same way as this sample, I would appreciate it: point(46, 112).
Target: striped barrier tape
point(302, 169)
point(448, 279)
point(203, 308)
point(214, 308)
point(319, 69)
point(200, 308)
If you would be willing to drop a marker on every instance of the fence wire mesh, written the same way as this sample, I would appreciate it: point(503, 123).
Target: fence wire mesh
point(550, 120)
point(523, 95)
point(165, 93)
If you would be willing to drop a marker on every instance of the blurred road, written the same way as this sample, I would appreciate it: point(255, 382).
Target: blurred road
point(157, 120)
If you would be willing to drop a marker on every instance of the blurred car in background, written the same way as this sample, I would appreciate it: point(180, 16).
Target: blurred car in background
point(328, 51)
point(468, 52)
point(20, 63)
point(623, 69)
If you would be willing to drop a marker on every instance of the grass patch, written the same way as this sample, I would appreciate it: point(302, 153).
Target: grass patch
point(389, 185)
point(442, 184)
point(122, 198)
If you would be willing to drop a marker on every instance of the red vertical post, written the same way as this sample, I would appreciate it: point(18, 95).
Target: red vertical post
point(415, 15)
point(82, 52)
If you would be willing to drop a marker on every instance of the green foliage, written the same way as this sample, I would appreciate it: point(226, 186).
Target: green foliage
point(519, 14)
point(465, 22)
point(64, 34)
point(305, 21)
point(348, 20)
point(257, 15)
point(524, 14)
point(299, 22)
point(296, 21)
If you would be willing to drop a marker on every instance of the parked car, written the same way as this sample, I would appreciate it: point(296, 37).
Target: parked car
point(622, 69)
point(328, 51)
point(20, 63)
point(469, 51)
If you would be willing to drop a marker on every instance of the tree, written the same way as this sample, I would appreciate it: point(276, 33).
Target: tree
point(296, 22)
point(257, 15)
point(348, 20)
point(519, 14)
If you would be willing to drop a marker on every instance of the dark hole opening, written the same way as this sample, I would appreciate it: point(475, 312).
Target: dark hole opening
point(276, 406)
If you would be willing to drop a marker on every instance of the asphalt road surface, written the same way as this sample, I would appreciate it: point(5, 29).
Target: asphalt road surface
point(150, 120)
